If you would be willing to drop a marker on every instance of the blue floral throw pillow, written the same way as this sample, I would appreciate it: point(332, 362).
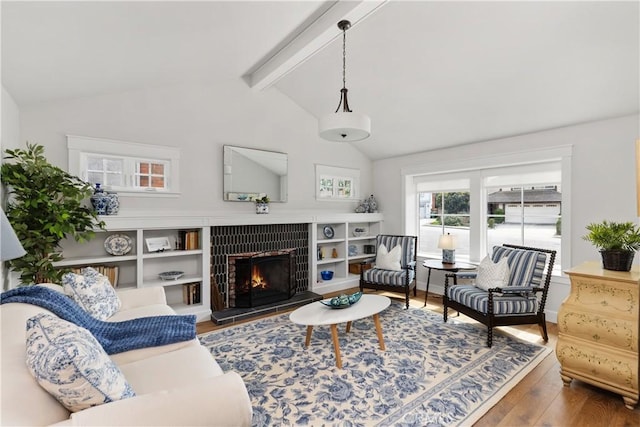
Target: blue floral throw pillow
point(69, 363)
point(93, 292)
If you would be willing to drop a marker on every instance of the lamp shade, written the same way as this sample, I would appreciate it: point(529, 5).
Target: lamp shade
point(10, 245)
point(447, 241)
point(344, 126)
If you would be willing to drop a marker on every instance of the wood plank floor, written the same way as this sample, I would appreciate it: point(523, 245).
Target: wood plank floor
point(540, 399)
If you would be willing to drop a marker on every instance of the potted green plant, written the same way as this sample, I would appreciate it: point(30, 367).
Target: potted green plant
point(45, 205)
point(617, 242)
point(262, 205)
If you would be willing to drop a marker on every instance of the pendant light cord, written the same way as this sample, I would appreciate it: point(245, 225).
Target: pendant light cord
point(344, 25)
point(344, 58)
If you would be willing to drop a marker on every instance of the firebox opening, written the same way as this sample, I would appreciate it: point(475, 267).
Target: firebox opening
point(263, 279)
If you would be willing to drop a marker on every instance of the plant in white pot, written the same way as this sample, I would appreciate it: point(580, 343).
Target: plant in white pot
point(616, 241)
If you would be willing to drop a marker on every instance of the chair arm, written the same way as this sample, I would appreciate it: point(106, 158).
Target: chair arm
point(411, 265)
point(516, 289)
point(215, 401)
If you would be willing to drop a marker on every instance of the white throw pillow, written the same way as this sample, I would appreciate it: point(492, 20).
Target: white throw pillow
point(69, 363)
point(389, 260)
point(93, 292)
point(492, 275)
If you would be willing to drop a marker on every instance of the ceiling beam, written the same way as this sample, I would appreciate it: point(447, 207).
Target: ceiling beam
point(309, 41)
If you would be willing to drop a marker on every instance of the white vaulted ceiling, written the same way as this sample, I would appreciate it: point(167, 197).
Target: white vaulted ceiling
point(429, 74)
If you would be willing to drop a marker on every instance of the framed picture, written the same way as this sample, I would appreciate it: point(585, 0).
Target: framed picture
point(336, 183)
point(158, 244)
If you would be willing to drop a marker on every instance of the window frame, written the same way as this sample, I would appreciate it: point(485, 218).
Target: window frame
point(80, 147)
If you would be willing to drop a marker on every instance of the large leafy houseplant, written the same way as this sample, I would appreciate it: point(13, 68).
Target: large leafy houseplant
point(45, 205)
point(617, 242)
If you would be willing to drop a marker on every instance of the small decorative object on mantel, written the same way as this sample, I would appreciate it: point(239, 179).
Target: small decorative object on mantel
point(617, 242)
point(113, 206)
point(100, 200)
point(262, 205)
point(368, 205)
point(104, 203)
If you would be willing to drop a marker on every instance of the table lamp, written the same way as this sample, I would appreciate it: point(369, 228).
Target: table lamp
point(10, 247)
point(447, 243)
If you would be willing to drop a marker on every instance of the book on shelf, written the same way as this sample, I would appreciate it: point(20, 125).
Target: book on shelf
point(110, 271)
point(191, 293)
point(188, 240)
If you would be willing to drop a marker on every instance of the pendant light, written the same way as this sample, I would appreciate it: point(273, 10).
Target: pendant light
point(344, 125)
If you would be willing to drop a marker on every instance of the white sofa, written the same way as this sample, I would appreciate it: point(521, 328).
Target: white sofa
point(176, 384)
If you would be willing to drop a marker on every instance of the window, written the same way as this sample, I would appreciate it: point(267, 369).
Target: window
point(125, 167)
point(486, 206)
point(445, 212)
point(443, 207)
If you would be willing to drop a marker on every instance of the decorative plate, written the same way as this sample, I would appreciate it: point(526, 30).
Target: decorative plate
point(328, 232)
point(171, 275)
point(118, 244)
point(343, 301)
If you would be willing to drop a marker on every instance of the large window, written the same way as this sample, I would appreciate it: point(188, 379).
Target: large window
point(125, 167)
point(486, 207)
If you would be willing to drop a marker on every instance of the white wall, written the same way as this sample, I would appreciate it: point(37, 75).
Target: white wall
point(603, 182)
point(10, 121)
point(200, 119)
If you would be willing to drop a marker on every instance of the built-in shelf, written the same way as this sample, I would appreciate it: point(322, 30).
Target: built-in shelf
point(344, 237)
point(140, 268)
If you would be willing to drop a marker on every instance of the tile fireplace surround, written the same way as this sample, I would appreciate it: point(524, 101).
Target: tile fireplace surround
point(239, 239)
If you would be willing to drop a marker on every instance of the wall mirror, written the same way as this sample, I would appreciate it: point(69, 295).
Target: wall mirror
point(250, 174)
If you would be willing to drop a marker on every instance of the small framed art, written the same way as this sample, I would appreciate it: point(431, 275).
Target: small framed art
point(158, 244)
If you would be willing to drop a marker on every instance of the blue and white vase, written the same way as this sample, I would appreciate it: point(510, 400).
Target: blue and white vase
point(113, 206)
point(100, 200)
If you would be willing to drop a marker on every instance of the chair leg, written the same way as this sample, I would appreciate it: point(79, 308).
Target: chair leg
point(406, 297)
point(490, 337)
point(445, 309)
point(543, 328)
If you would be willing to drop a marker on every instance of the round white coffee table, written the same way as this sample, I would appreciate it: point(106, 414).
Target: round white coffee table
point(317, 314)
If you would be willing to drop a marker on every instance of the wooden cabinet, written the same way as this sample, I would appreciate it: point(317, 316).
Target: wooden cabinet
point(339, 241)
point(188, 294)
point(598, 330)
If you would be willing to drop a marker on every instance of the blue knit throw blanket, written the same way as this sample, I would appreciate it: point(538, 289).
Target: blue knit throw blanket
point(115, 337)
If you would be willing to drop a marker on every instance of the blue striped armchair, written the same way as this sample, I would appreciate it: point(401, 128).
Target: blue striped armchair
point(520, 301)
point(401, 278)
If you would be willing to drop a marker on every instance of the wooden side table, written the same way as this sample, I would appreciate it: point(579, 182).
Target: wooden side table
point(436, 264)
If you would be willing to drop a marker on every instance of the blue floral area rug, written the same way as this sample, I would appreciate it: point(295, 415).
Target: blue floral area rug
point(431, 374)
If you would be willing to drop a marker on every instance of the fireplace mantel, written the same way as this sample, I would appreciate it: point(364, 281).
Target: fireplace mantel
point(171, 219)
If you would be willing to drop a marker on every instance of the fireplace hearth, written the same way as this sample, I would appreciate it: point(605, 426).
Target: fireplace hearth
point(261, 278)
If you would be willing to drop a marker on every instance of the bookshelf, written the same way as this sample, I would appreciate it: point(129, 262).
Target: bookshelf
point(189, 253)
point(339, 241)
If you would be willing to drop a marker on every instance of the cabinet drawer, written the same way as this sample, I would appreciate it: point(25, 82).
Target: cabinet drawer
point(606, 365)
point(604, 296)
point(620, 332)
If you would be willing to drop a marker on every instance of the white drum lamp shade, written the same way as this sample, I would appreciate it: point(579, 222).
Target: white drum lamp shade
point(344, 126)
point(10, 245)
